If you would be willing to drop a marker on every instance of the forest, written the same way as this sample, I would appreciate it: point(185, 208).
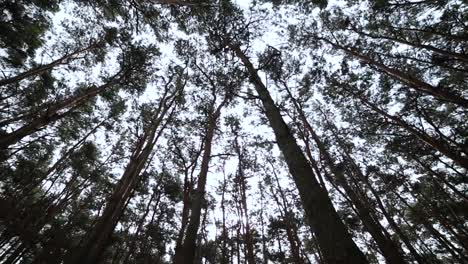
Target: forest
point(233, 131)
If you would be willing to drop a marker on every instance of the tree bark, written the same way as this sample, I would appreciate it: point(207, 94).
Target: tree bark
point(155, 195)
point(27, 192)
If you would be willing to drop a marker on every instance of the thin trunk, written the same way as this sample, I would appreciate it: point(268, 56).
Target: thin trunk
point(144, 248)
point(437, 235)
point(335, 242)
point(280, 248)
point(286, 214)
point(312, 161)
point(242, 191)
point(459, 38)
point(440, 177)
point(264, 249)
point(238, 250)
point(317, 249)
point(303, 136)
point(28, 192)
point(233, 253)
point(408, 243)
point(224, 232)
point(186, 255)
point(13, 246)
point(133, 243)
point(357, 172)
point(390, 250)
point(441, 217)
point(15, 254)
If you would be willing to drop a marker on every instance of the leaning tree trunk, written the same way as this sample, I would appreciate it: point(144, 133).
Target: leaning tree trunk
point(65, 59)
point(98, 239)
point(390, 251)
point(443, 52)
point(417, 84)
point(357, 173)
point(51, 113)
point(334, 240)
point(438, 144)
point(133, 243)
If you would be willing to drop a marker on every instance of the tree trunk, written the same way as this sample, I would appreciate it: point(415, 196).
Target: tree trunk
point(286, 215)
point(438, 236)
point(224, 232)
point(242, 191)
point(395, 226)
point(390, 251)
point(186, 255)
point(358, 174)
point(188, 189)
point(15, 254)
point(334, 240)
point(98, 238)
point(262, 222)
point(156, 195)
point(27, 192)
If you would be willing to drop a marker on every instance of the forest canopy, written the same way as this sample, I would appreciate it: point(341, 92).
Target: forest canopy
point(224, 131)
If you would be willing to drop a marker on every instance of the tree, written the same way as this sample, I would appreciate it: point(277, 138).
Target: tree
point(186, 253)
point(315, 199)
point(97, 240)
